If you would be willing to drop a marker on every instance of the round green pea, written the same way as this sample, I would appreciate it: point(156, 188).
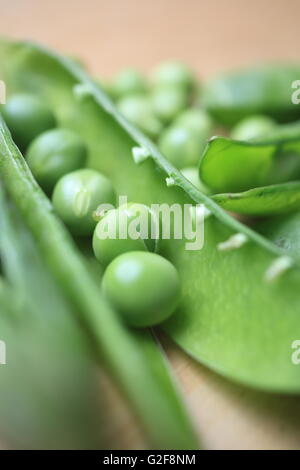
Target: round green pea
point(27, 116)
point(174, 74)
point(197, 120)
point(143, 287)
point(167, 102)
point(181, 146)
point(55, 153)
point(138, 110)
point(128, 228)
point(129, 81)
point(253, 127)
point(77, 195)
point(191, 173)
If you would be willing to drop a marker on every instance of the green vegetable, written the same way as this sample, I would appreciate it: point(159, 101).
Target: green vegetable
point(174, 74)
point(197, 120)
point(167, 102)
point(230, 165)
point(182, 146)
point(138, 110)
point(244, 337)
point(27, 116)
point(55, 153)
point(164, 418)
point(77, 195)
point(260, 90)
point(191, 173)
point(283, 231)
point(252, 127)
point(143, 287)
point(128, 82)
point(112, 238)
point(107, 87)
point(268, 200)
point(49, 395)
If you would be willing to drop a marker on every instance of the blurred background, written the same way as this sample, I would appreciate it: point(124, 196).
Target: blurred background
point(210, 36)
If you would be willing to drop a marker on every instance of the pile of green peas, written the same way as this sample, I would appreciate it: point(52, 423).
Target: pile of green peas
point(166, 107)
point(142, 285)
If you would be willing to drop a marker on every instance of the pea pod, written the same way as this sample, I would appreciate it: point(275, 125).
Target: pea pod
point(267, 200)
point(49, 375)
point(135, 362)
point(232, 165)
point(259, 90)
point(230, 318)
point(283, 231)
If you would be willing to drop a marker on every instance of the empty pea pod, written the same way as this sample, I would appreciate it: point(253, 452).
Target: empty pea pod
point(270, 159)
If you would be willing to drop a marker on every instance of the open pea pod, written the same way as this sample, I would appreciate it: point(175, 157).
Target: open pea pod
point(48, 386)
point(229, 318)
point(259, 90)
point(284, 232)
point(267, 200)
point(232, 165)
point(135, 361)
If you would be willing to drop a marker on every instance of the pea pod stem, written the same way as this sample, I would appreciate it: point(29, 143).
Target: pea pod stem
point(124, 353)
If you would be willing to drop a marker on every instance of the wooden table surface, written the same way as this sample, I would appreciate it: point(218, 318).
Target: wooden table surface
point(210, 36)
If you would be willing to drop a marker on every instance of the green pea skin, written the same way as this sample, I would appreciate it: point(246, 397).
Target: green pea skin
point(119, 220)
point(181, 146)
point(129, 81)
point(253, 127)
point(26, 117)
point(197, 120)
point(191, 173)
point(174, 74)
point(167, 102)
point(143, 287)
point(138, 110)
point(53, 154)
point(77, 195)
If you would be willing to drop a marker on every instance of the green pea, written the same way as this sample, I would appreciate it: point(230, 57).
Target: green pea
point(174, 74)
point(197, 120)
point(167, 102)
point(77, 195)
point(253, 127)
point(192, 174)
point(27, 116)
point(54, 154)
point(127, 228)
point(128, 82)
point(142, 287)
point(138, 110)
point(181, 146)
